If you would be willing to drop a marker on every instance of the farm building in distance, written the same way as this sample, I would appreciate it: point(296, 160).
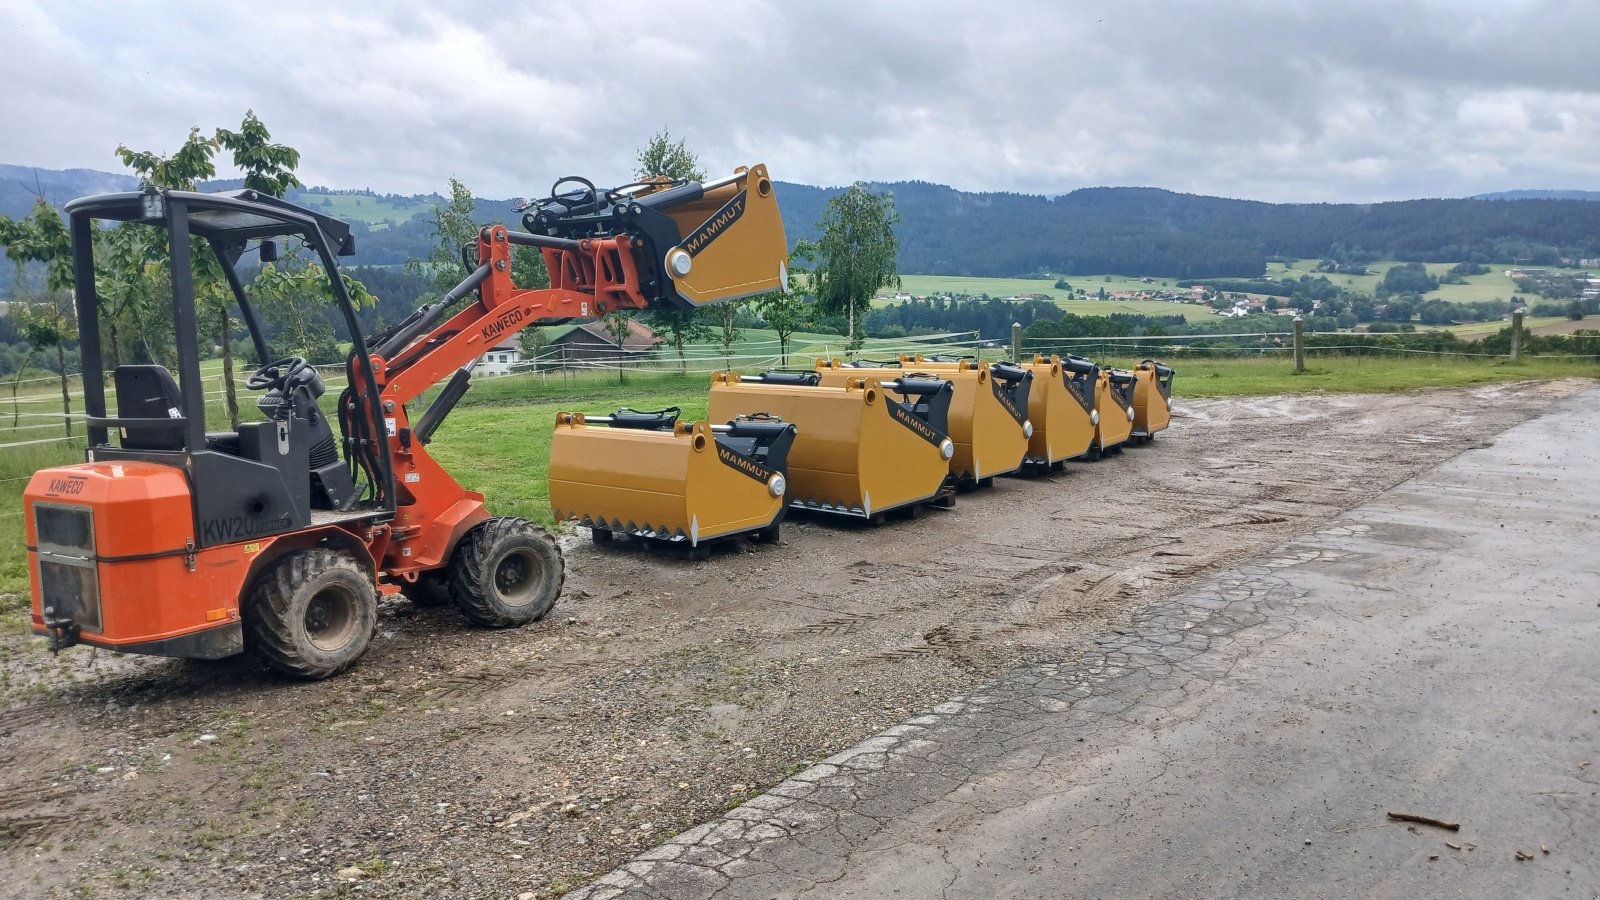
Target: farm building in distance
point(500, 358)
point(591, 343)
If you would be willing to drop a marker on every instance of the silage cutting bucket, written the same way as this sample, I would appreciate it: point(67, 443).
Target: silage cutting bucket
point(650, 475)
point(1061, 408)
point(1114, 404)
point(864, 447)
point(1152, 399)
point(988, 412)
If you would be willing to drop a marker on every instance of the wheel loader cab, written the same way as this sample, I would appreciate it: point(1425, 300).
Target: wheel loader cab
point(176, 520)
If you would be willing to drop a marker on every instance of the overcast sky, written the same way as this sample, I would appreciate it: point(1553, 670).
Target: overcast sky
point(1273, 100)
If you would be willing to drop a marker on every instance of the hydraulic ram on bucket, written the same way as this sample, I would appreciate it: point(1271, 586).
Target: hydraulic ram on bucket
point(860, 451)
point(649, 475)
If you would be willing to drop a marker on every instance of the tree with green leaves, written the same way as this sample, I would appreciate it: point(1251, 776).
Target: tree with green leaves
point(855, 255)
point(454, 227)
point(45, 320)
point(183, 171)
point(727, 328)
point(268, 167)
point(680, 327)
point(619, 325)
point(784, 311)
point(661, 157)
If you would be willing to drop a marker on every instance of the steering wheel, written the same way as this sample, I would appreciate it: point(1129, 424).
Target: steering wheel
point(276, 374)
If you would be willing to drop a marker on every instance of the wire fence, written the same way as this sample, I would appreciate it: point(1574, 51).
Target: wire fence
point(32, 417)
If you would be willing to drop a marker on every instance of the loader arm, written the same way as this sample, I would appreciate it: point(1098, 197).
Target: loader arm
point(647, 246)
point(656, 245)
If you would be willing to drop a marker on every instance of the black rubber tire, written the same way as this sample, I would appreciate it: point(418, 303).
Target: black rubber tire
point(312, 614)
point(431, 588)
point(506, 572)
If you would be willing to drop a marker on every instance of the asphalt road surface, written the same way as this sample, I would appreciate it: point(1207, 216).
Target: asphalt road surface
point(1433, 652)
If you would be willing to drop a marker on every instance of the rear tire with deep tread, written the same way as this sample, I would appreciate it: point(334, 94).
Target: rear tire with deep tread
point(312, 614)
point(506, 572)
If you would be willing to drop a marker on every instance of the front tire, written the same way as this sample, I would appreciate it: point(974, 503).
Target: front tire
point(506, 572)
point(312, 614)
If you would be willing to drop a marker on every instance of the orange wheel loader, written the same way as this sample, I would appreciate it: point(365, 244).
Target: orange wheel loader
point(278, 536)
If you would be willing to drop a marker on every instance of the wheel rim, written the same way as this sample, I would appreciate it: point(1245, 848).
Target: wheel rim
point(518, 577)
point(331, 619)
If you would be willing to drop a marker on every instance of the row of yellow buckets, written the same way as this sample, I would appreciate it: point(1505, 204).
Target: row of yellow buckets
point(860, 439)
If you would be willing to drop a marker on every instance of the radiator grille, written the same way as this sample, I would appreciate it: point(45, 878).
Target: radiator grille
point(68, 570)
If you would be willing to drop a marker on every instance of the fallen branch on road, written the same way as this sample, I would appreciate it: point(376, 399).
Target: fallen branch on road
point(1425, 820)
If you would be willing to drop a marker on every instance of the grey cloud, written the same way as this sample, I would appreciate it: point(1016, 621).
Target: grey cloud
point(1269, 100)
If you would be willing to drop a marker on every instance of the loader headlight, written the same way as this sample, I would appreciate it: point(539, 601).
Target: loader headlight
point(680, 262)
point(1027, 429)
point(947, 448)
point(1094, 417)
point(1130, 414)
point(776, 485)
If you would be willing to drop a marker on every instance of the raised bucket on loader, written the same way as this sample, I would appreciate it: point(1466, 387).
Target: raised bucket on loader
point(1152, 399)
point(864, 448)
point(988, 411)
point(1114, 404)
point(653, 476)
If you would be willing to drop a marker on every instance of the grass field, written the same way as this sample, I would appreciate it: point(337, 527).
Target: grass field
point(1492, 286)
point(1473, 330)
point(371, 210)
point(922, 285)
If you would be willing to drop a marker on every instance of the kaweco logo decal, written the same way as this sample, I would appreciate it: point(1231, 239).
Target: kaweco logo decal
point(72, 484)
point(1004, 396)
point(493, 330)
point(716, 225)
point(901, 413)
point(744, 464)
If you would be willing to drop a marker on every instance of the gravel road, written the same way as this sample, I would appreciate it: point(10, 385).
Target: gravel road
point(457, 762)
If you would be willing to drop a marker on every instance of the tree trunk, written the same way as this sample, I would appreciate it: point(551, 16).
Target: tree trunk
point(227, 369)
point(66, 395)
point(850, 317)
point(683, 362)
point(16, 410)
point(116, 345)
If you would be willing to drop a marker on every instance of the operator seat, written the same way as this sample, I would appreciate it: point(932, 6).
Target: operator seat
point(148, 392)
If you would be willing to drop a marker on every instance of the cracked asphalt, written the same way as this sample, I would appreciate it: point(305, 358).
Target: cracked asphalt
point(1435, 651)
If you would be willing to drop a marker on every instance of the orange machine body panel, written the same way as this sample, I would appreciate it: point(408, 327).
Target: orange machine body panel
point(148, 583)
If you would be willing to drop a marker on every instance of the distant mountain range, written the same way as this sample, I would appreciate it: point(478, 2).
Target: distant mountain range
point(1539, 195)
point(1130, 231)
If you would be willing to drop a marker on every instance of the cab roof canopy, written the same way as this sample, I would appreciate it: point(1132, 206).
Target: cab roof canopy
point(229, 217)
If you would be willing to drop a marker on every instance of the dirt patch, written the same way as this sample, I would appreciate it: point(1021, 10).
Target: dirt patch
point(461, 762)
